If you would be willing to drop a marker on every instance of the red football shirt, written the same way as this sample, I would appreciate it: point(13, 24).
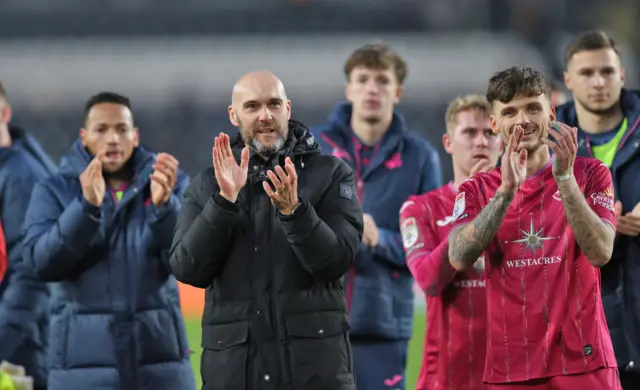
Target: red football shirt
point(455, 342)
point(543, 297)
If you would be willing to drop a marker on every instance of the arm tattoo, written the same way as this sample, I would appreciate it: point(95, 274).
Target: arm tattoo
point(467, 242)
point(594, 236)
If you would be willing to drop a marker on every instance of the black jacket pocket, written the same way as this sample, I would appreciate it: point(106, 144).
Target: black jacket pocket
point(224, 359)
point(320, 352)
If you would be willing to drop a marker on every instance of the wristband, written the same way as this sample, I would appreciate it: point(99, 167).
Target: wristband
point(564, 177)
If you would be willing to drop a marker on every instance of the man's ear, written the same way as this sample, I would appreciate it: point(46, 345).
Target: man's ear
point(494, 125)
point(347, 92)
point(136, 137)
point(83, 136)
point(233, 117)
point(567, 80)
point(7, 113)
point(399, 93)
point(446, 143)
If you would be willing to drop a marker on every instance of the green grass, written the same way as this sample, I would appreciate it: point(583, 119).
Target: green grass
point(415, 348)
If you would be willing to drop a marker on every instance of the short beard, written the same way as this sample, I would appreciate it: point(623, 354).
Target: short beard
point(264, 150)
point(609, 111)
point(258, 147)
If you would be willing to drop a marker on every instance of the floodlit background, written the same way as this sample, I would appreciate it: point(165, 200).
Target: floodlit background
point(178, 60)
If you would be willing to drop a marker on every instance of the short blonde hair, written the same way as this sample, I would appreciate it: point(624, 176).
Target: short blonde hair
point(474, 102)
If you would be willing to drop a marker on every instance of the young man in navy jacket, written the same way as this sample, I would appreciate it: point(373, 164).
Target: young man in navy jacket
point(100, 231)
point(607, 117)
point(390, 163)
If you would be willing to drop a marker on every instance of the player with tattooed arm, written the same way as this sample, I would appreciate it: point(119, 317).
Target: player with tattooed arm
point(545, 222)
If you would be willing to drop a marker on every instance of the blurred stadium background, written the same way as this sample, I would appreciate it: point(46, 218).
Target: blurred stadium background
point(179, 60)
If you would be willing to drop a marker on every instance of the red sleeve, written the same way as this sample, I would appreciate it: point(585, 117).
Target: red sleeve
point(466, 207)
point(427, 256)
point(599, 192)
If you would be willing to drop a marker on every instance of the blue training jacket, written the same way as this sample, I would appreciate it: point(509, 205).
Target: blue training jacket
point(379, 288)
point(115, 315)
point(23, 298)
point(621, 276)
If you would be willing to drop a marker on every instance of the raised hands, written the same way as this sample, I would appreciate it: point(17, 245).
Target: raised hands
point(163, 178)
point(230, 175)
point(564, 152)
point(514, 162)
point(285, 195)
point(92, 181)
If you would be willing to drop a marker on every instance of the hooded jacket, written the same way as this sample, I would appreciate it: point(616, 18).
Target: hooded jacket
point(115, 319)
point(275, 311)
point(379, 286)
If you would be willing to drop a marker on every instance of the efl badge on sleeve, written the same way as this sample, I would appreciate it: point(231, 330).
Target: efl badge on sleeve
point(346, 191)
point(459, 206)
point(409, 230)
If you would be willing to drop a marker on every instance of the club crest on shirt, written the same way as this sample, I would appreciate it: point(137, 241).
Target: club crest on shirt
point(409, 230)
point(533, 239)
point(459, 206)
